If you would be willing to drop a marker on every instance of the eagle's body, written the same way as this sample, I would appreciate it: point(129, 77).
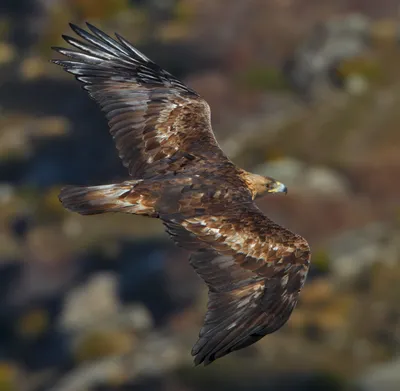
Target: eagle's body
point(253, 267)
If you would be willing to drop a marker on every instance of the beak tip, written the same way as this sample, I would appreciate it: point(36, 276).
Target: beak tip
point(281, 188)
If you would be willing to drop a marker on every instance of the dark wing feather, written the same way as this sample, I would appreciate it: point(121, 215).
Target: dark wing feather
point(254, 269)
point(153, 116)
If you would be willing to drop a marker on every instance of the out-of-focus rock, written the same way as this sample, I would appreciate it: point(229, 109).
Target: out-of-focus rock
point(94, 302)
point(299, 177)
point(382, 377)
point(317, 291)
point(327, 321)
point(38, 280)
point(46, 245)
point(216, 89)
point(247, 136)
point(84, 376)
point(12, 142)
point(10, 377)
point(18, 132)
point(158, 353)
point(50, 127)
point(9, 246)
point(50, 205)
point(356, 85)
point(384, 29)
point(289, 171)
point(353, 252)
point(33, 323)
point(7, 192)
point(357, 73)
point(326, 181)
point(7, 53)
point(97, 344)
point(154, 355)
point(32, 68)
point(329, 43)
point(101, 10)
point(136, 317)
point(376, 177)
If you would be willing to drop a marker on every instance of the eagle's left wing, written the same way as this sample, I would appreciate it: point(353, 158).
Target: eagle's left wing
point(254, 269)
point(157, 122)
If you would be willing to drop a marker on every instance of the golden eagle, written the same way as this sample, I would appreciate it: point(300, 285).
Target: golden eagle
point(253, 267)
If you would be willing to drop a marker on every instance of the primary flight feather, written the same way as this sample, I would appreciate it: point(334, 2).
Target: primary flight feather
point(253, 267)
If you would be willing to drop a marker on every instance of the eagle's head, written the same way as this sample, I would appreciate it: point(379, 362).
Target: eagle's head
point(261, 185)
point(274, 186)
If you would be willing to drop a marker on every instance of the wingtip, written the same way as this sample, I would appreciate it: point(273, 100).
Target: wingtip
point(57, 62)
point(66, 37)
point(133, 49)
point(197, 361)
point(122, 40)
point(95, 30)
point(81, 31)
point(58, 49)
point(74, 26)
point(91, 27)
point(202, 359)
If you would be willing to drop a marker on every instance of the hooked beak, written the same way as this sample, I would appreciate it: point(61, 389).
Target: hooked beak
point(278, 187)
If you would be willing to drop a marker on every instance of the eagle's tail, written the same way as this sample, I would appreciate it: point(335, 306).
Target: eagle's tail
point(90, 200)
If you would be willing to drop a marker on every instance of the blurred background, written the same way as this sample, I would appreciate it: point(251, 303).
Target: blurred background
point(307, 91)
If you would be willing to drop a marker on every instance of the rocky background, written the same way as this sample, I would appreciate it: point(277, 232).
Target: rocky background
point(307, 91)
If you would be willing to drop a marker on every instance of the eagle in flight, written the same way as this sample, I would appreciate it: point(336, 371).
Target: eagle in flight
point(254, 268)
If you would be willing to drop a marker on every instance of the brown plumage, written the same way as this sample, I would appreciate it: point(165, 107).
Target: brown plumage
point(253, 267)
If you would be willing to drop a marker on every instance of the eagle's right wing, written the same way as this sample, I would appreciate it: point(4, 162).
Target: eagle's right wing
point(254, 269)
point(242, 306)
point(155, 119)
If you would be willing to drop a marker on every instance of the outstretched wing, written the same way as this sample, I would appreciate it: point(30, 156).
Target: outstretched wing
point(254, 269)
point(152, 116)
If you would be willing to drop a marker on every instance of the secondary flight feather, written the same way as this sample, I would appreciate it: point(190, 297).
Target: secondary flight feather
point(253, 267)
